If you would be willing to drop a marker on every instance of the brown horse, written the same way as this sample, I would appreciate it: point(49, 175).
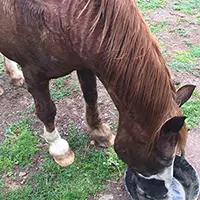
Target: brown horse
point(109, 39)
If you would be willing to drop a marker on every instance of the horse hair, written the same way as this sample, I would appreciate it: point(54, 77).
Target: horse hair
point(134, 54)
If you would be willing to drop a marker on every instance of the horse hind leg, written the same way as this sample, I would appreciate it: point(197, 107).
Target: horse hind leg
point(46, 111)
point(12, 70)
point(101, 133)
point(1, 91)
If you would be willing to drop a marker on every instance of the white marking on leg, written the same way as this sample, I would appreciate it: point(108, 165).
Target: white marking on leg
point(58, 146)
point(51, 136)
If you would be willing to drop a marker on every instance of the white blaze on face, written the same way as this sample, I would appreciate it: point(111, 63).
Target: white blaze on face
point(166, 176)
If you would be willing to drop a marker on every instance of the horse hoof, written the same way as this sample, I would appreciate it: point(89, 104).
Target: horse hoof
point(61, 152)
point(65, 160)
point(109, 142)
point(18, 81)
point(103, 136)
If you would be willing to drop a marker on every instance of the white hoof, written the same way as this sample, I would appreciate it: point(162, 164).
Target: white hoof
point(59, 148)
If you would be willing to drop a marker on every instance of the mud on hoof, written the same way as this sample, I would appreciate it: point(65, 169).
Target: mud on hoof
point(65, 160)
point(17, 79)
point(103, 135)
point(61, 152)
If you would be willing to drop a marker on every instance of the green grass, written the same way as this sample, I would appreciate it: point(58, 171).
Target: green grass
point(156, 27)
point(84, 178)
point(186, 60)
point(161, 44)
point(182, 32)
point(182, 20)
point(188, 43)
point(18, 148)
point(178, 66)
point(198, 19)
point(184, 57)
point(179, 30)
point(191, 110)
point(195, 51)
point(1, 64)
point(187, 6)
point(146, 5)
point(60, 88)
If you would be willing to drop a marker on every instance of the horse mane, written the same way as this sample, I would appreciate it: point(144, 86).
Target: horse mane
point(136, 67)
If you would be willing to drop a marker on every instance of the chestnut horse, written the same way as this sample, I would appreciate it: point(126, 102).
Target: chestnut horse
point(108, 39)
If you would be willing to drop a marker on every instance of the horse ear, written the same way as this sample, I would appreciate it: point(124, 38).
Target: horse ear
point(169, 136)
point(173, 125)
point(184, 93)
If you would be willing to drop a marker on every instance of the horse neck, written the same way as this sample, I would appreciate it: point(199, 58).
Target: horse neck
point(143, 91)
point(133, 68)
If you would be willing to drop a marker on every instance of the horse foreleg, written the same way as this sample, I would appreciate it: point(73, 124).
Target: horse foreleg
point(101, 133)
point(12, 70)
point(46, 111)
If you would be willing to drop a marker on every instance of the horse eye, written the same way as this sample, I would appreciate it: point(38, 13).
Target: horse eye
point(166, 159)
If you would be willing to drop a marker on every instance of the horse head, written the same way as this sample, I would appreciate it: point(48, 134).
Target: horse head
point(154, 162)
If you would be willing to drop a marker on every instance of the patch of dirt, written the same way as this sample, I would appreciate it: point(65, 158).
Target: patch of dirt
point(115, 191)
point(10, 183)
point(13, 103)
point(192, 148)
point(173, 41)
point(187, 78)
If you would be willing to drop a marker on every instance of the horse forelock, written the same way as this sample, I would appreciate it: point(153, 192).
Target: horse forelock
point(135, 65)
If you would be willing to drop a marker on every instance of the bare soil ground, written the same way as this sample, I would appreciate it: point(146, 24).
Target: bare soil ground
point(16, 102)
